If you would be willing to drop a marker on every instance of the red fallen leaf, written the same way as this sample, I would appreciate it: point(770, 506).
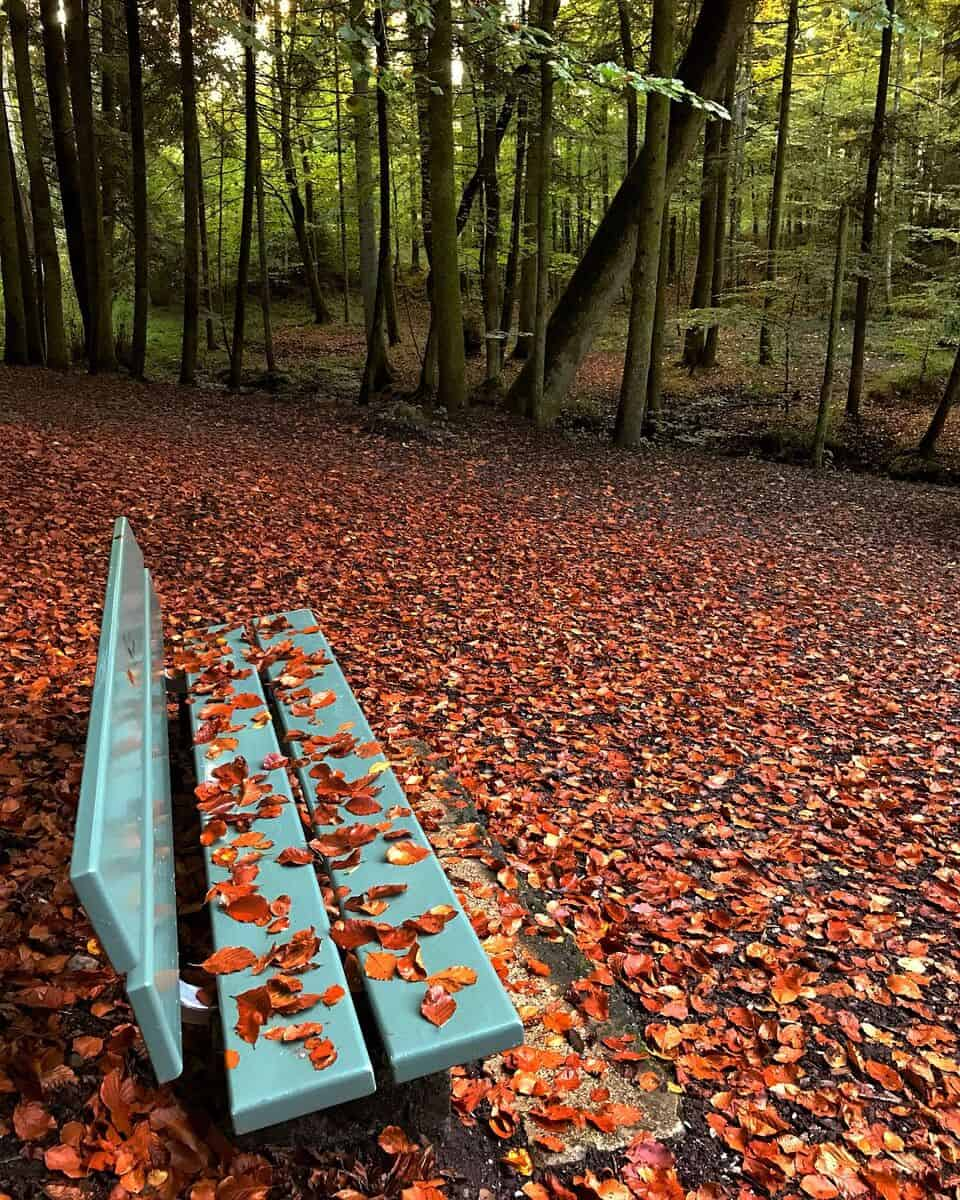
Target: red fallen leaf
point(438, 1006)
point(396, 937)
point(87, 1046)
point(362, 806)
point(213, 831)
point(405, 854)
point(886, 1076)
point(350, 934)
point(65, 1159)
point(393, 1140)
point(118, 1094)
point(32, 1121)
point(254, 1008)
point(273, 761)
point(231, 1059)
point(819, 1187)
point(904, 985)
point(298, 952)
point(384, 890)
point(249, 909)
point(378, 965)
point(254, 838)
point(293, 1033)
point(281, 906)
point(452, 979)
point(410, 967)
point(333, 995)
point(246, 700)
point(322, 1053)
point(434, 920)
point(536, 966)
point(229, 959)
point(294, 856)
point(558, 1021)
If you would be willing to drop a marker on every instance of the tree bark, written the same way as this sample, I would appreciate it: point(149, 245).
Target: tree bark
point(632, 411)
point(364, 171)
point(658, 338)
point(249, 13)
point(603, 270)
point(539, 408)
point(491, 226)
point(630, 64)
point(341, 198)
point(270, 357)
point(108, 113)
point(516, 218)
point(451, 382)
point(951, 393)
point(45, 235)
point(833, 336)
point(65, 154)
point(779, 181)
point(855, 386)
point(15, 342)
point(696, 335)
point(77, 40)
point(191, 197)
point(718, 281)
point(141, 228)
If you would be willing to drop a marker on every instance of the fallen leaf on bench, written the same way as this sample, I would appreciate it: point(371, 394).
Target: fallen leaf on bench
point(246, 700)
point(258, 720)
point(297, 954)
point(230, 774)
point(396, 937)
point(362, 806)
point(253, 838)
point(293, 1033)
point(393, 1140)
point(229, 959)
point(213, 831)
point(368, 750)
point(281, 906)
point(322, 1053)
point(438, 1006)
point(373, 908)
point(386, 889)
point(221, 745)
point(294, 856)
point(410, 967)
point(433, 920)
point(378, 965)
point(253, 1009)
point(333, 995)
point(250, 910)
point(394, 835)
point(405, 854)
point(454, 978)
point(273, 761)
point(349, 934)
point(231, 1058)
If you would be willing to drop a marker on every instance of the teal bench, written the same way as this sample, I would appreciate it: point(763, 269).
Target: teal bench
point(293, 1043)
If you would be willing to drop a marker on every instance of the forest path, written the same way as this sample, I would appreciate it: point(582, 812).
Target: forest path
point(708, 707)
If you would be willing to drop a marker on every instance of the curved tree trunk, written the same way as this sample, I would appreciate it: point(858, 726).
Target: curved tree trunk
point(44, 230)
point(951, 394)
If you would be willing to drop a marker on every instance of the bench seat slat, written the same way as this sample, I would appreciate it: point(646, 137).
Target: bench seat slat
point(485, 1021)
point(276, 1081)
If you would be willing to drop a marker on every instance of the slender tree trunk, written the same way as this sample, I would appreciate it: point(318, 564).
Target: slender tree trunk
point(718, 281)
point(951, 394)
point(891, 204)
point(390, 310)
point(779, 181)
point(191, 197)
point(65, 153)
point(15, 343)
point(657, 341)
point(341, 198)
point(321, 313)
point(451, 389)
point(429, 367)
point(376, 372)
point(491, 228)
point(541, 412)
point(77, 40)
point(516, 217)
point(601, 274)
point(206, 279)
point(694, 341)
point(28, 279)
point(528, 262)
point(268, 351)
point(833, 336)
point(364, 171)
point(630, 64)
point(855, 387)
point(141, 229)
point(43, 226)
point(108, 112)
point(632, 411)
point(251, 142)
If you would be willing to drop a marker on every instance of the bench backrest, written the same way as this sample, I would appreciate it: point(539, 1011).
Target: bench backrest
point(123, 865)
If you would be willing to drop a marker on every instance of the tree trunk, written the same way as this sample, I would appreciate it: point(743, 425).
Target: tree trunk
point(108, 112)
point(28, 279)
point(65, 154)
point(451, 389)
point(191, 197)
point(141, 229)
point(427, 386)
point(321, 313)
point(268, 351)
point(364, 171)
point(516, 216)
point(376, 372)
point(779, 180)
point(15, 343)
point(249, 191)
point(833, 336)
point(951, 393)
point(206, 280)
point(57, 355)
point(528, 262)
point(602, 272)
point(630, 64)
point(632, 411)
point(695, 338)
point(341, 198)
point(658, 338)
point(539, 409)
point(855, 387)
point(891, 204)
point(77, 41)
point(718, 281)
point(491, 227)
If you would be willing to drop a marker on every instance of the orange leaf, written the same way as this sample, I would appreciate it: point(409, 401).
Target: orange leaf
point(322, 1053)
point(438, 1006)
point(333, 995)
point(231, 1058)
point(379, 965)
point(293, 1033)
point(295, 856)
point(229, 959)
point(452, 979)
point(405, 854)
point(249, 909)
point(393, 1140)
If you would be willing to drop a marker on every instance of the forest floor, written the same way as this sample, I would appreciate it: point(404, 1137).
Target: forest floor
point(707, 708)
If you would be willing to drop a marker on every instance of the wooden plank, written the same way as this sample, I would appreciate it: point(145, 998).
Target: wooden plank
point(105, 870)
point(484, 1021)
point(274, 1081)
point(153, 984)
